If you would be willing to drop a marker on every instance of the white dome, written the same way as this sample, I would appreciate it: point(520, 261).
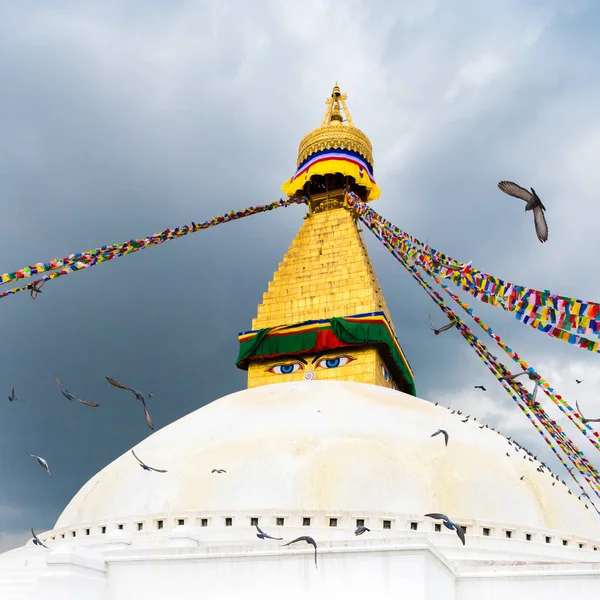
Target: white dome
point(329, 447)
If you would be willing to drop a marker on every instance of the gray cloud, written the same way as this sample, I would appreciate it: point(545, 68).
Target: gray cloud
point(126, 118)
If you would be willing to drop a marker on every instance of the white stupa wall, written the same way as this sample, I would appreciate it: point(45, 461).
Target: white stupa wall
point(412, 569)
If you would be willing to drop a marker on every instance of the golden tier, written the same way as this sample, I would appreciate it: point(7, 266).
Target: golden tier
point(335, 136)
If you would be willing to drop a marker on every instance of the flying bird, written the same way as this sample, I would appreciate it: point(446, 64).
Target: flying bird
point(145, 466)
point(583, 418)
point(533, 203)
point(36, 288)
point(437, 263)
point(218, 471)
point(139, 396)
point(36, 539)
point(13, 397)
point(532, 376)
point(480, 387)
point(465, 420)
point(308, 540)
point(265, 536)
point(361, 529)
point(446, 436)
point(42, 462)
point(534, 393)
point(460, 532)
point(579, 381)
point(67, 394)
point(441, 329)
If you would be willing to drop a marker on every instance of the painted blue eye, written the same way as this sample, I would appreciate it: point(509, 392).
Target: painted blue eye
point(386, 375)
point(285, 369)
point(334, 363)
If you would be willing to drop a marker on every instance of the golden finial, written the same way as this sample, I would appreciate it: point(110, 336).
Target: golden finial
point(333, 115)
point(336, 131)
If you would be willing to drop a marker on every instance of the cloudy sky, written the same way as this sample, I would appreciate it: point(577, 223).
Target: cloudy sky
point(120, 119)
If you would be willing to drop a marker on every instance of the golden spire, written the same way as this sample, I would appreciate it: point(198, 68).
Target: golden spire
point(324, 315)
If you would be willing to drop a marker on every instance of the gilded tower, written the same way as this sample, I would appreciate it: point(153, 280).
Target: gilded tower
point(324, 315)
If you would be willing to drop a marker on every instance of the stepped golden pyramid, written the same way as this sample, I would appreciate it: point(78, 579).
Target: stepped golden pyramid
point(324, 315)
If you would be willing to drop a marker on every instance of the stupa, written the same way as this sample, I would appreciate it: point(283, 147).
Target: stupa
point(329, 436)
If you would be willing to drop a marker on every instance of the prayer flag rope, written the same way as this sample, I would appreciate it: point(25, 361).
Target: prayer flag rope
point(82, 260)
point(556, 398)
point(555, 432)
point(518, 393)
point(386, 234)
point(554, 315)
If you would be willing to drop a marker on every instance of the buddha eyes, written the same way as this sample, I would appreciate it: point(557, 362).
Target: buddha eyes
point(386, 375)
point(323, 363)
point(333, 363)
point(286, 369)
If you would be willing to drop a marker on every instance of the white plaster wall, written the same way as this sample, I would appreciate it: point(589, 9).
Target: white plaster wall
point(549, 587)
point(181, 569)
point(439, 581)
point(292, 576)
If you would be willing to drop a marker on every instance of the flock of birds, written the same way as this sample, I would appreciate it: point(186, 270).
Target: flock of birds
point(69, 396)
point(360, 530)
point(446, 521)
point(515, 447)
point(73, 398)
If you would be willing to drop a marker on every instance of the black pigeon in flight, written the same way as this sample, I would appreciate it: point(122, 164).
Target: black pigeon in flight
point(533, 203)
point(308, 540)
point(264, 536)
point(36, 539)
point(446, 436)
point(460, 532)
point(36, 288)
point(145, 466)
